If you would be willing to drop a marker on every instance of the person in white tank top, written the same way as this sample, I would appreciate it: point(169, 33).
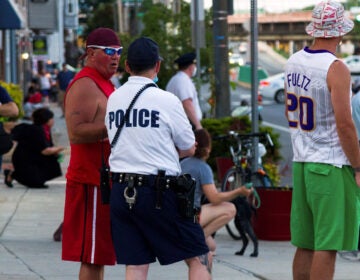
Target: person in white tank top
point(326, 163)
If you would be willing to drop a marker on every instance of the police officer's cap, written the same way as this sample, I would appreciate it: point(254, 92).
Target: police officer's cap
point(143, 51)
point(186, 59)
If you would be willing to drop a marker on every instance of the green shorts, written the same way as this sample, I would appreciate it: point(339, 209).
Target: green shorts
point(325, 207)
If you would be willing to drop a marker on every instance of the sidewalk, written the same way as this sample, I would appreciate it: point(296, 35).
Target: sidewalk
point(28, 218)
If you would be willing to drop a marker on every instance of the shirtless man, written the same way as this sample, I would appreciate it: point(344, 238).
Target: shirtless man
point(86, 228)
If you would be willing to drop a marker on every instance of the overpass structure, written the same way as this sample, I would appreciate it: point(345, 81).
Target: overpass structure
point(285, 31)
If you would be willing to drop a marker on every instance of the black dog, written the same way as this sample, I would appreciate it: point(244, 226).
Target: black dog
point(243, 224)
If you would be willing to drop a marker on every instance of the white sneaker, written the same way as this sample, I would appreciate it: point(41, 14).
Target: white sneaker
point(350, 255)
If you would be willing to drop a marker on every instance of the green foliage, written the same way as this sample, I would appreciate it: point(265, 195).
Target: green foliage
point(17, 95)
point(103, 16)
point(355, 32)
point(308, 8)
point(220, 148)
point(158, 26)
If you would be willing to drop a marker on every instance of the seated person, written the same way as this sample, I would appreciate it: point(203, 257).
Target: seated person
point(35, 158)
point(32, 102)
point(219, 211)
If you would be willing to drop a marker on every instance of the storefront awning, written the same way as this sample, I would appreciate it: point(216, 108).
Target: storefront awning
point(10, 17)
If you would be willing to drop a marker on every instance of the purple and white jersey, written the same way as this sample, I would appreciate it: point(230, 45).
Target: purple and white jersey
point(310, 112)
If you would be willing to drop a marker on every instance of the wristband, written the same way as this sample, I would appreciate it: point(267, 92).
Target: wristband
point(356, 169)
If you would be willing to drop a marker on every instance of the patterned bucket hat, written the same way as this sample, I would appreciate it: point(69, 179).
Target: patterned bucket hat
point(328, 21)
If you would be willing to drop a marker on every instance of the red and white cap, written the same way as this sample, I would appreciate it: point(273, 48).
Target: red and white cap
point(328, 21)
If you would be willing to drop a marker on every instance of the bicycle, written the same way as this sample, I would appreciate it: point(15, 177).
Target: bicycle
point(241, 173)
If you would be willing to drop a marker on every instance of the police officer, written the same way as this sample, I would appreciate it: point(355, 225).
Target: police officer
point(145, 217)
point(183, 87)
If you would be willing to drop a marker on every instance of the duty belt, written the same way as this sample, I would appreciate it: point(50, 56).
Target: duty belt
point(139, 180)
point(160, 181)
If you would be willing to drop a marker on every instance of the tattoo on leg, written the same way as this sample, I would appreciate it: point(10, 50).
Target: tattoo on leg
point(204, 260)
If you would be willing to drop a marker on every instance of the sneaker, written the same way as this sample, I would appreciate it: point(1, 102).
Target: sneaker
point(350, 255)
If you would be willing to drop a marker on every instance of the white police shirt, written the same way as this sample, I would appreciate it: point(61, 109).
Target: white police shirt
point(183, 87)
point(157, 126)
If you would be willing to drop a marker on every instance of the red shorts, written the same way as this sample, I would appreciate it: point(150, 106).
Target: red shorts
point(86, 229)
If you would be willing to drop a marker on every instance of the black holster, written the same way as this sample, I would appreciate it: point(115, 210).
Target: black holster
point(185, 193)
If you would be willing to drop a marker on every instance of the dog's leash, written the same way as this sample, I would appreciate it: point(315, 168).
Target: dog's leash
point(257, 200)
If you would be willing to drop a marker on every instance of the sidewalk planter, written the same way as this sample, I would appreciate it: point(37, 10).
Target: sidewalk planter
point(272, 219)
point(223, 164)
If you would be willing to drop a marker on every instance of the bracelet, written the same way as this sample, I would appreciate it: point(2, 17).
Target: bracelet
point(356, 169)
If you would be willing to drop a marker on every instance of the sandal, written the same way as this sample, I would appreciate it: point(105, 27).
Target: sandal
point(8, 179)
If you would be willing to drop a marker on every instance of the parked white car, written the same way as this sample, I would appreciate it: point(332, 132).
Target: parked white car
point(236, 58)
point(273, 88)
point(353, 63)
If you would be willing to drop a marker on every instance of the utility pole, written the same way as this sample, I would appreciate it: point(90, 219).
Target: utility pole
point(198, 35)
point(254, 82)
point(60, 26)
point(221, 58)
point(197, 43)
point(133, 22)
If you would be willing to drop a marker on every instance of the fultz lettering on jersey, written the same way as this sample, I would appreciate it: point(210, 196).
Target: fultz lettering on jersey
point(298, 80)
point(137, 118)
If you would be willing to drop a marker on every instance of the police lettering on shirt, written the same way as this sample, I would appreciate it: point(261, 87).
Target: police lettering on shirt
point(298, 80)
point(137, 118)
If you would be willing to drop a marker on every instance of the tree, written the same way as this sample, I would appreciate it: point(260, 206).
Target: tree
point(172, 33)
point(97, 13)
point(356, 31)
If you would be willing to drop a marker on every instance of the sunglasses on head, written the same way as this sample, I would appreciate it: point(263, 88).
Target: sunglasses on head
point(108, 50)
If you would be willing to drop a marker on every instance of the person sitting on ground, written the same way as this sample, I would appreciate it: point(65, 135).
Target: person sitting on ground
point(219, 211)
point(8, 108)
point(32, 102)
point(35, 158)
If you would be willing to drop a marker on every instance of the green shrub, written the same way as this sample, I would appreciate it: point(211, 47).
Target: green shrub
point(17, 95)
point(220, 148)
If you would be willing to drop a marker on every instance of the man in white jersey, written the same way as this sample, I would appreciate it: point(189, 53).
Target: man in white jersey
point(183, 87)
point(146, 217)
point(326, 163)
